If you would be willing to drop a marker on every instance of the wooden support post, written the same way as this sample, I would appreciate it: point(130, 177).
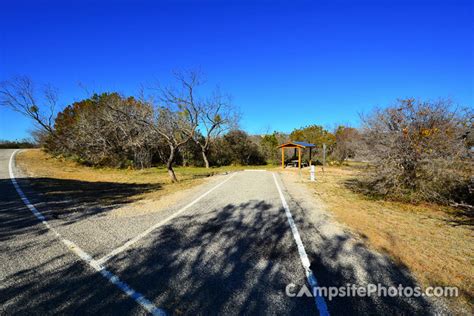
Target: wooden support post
point(282, 158)
point(299, 158)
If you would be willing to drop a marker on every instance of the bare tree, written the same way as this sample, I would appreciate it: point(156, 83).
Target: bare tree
point(175, 115)
point(18, 94)
point(178, 117)
point(419, 150)
point(216, 116)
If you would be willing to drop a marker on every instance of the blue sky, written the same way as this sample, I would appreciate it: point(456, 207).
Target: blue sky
point(286, 63)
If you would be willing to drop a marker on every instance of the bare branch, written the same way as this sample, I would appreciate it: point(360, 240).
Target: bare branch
point(18, 94)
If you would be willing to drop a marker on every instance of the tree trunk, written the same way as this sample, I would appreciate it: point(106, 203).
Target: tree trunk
point(172, 174)
point(169, 165)
point(204, 157)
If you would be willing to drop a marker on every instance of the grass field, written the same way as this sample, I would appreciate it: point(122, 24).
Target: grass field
point(434, 243)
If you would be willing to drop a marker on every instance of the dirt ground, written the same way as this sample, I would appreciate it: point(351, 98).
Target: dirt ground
point(430, 240)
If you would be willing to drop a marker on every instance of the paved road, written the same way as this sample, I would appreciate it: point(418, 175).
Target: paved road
point(231, 252)
point(38, 274)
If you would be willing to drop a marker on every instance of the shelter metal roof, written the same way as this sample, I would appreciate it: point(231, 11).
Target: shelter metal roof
point(297, 144)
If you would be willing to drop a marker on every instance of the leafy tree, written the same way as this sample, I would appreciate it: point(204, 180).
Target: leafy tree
point(268, 145)
point(315, 134)
point(24, 143)
point(190, 154)
point(236, 148)
point(99, 131)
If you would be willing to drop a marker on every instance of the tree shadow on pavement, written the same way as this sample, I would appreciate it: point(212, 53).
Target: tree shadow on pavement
point(38, 275)
point(234, 260)
point(239, 259)
point(70, 200)
point(341, 261)
point(61, 286)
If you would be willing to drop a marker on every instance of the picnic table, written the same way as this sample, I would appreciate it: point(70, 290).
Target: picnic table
point(294, 163)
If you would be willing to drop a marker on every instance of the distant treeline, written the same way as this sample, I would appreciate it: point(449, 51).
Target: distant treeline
point(417, 150)
point(8, 144)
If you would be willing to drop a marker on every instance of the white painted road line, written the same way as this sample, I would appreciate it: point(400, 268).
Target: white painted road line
point(137, 297)
point(320, 302)
point(125, 246)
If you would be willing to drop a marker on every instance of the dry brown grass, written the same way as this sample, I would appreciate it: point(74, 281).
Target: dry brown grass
point(429, 239)
point(39, 164)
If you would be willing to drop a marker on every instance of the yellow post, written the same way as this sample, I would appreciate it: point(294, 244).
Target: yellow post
point(299, 158)
point(282, 158)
